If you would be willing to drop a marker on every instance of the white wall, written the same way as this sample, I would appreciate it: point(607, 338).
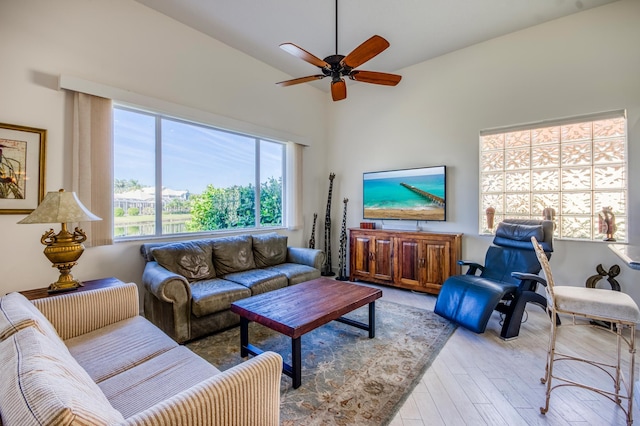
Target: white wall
point(126, 45)
point(584, 63)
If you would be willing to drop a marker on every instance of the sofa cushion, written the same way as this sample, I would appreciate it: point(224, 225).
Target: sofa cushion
point(295, 272)
point(115, 348)
point(43, 385)
point(17, 312)
point(13, 318)
point(269, 249)
point(191, 259)
point(233, 254)
point(211, 296)
point(259, 280)
point(156, 380)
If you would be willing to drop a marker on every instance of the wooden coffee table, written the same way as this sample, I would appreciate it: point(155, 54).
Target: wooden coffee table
point(298, 309)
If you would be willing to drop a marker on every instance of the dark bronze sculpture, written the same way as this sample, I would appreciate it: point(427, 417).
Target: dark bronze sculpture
point(613, 272)
point(327, 270)
point(592, 281)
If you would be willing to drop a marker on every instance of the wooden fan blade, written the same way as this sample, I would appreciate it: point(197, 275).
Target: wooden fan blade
point(338, 90)
point(300, 80)
point(365, 51)
point(304, 55)
point(376, 77)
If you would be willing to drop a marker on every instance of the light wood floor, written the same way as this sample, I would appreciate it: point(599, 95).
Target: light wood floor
point(480, 379)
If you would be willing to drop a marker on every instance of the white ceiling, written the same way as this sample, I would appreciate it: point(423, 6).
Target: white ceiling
point(417, 30)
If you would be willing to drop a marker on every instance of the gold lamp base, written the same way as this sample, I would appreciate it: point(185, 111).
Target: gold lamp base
point(63, 250)
point(65, 282)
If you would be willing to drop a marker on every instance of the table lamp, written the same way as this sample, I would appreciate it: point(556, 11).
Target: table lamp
point(65, 248)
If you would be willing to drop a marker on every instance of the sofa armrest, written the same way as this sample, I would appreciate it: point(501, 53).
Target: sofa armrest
point(167, 301)
point(305, 256)
point(246, 394)
point(74, 314)
point(167, 286)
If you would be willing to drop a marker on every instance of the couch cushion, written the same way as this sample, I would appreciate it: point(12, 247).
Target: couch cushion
point(269, 249)
point(211, 296)
point(259, 280)
point(17, 312)
point(295, 272)
point(115, 348)
point(13, 317)
point(191, 259)
point(233, 254)
point(43, 385)
point(153, 381)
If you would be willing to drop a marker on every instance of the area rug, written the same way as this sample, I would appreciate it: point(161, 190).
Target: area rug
point(347, 378)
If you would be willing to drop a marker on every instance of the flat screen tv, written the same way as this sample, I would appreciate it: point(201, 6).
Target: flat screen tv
point(412, 194)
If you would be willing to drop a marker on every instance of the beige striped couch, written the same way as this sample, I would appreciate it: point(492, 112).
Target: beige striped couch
point(89, 358)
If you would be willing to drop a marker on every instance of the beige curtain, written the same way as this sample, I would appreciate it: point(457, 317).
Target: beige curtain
point(294, 187)
point(92, 173)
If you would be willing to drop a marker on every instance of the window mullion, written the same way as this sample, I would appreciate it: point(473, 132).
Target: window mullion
point(158, 182)
point(257, 183)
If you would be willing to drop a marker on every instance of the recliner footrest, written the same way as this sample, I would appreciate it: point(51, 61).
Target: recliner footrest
point(469, 300)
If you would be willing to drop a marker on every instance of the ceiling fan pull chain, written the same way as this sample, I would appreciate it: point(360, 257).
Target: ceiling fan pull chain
point(336, 27)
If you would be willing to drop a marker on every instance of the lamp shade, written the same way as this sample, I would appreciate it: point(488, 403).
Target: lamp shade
point(60, 207)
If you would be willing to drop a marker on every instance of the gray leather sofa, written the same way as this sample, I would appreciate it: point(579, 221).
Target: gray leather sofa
point(189, 285)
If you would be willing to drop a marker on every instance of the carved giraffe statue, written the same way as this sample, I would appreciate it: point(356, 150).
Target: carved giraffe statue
point(342, 253)
point(327, 270)
point(312, 240)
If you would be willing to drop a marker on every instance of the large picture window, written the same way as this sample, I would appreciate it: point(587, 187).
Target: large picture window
point(202, 178)
point(573, 171)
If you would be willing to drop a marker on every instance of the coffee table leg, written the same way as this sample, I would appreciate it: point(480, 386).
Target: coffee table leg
point(244, 337)
point(372, 320)
point(296, 361)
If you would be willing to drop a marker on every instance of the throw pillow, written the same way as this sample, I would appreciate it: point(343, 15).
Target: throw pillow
point(191, 259)
point(233, 254)
point(269, 249)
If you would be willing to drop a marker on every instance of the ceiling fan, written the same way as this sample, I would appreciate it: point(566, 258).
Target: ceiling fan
point(338, 66)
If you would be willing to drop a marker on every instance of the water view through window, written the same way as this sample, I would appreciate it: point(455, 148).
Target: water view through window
point(204, 178)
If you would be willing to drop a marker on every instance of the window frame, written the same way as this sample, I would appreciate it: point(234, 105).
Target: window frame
point(158, 118)
point(621, 217)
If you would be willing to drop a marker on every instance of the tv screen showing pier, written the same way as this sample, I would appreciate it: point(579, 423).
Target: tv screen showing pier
point(411, 194)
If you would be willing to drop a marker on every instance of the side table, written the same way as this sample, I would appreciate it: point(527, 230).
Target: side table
point(40, 293)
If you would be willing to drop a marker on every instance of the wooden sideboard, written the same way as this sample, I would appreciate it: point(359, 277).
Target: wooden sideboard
point(419, 261)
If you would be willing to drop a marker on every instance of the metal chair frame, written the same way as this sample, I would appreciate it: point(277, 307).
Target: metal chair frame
point(614, 371)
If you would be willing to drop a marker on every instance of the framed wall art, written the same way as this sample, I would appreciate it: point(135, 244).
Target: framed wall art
point(22, 166)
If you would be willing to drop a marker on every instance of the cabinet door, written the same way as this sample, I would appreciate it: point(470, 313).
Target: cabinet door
point(409, 261)
point(382, 259)
point(436, 263)
point(361, 247)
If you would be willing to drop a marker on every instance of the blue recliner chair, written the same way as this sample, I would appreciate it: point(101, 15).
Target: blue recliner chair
point(502, 285)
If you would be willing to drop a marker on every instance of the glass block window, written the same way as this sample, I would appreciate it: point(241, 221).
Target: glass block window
point(572, 170)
